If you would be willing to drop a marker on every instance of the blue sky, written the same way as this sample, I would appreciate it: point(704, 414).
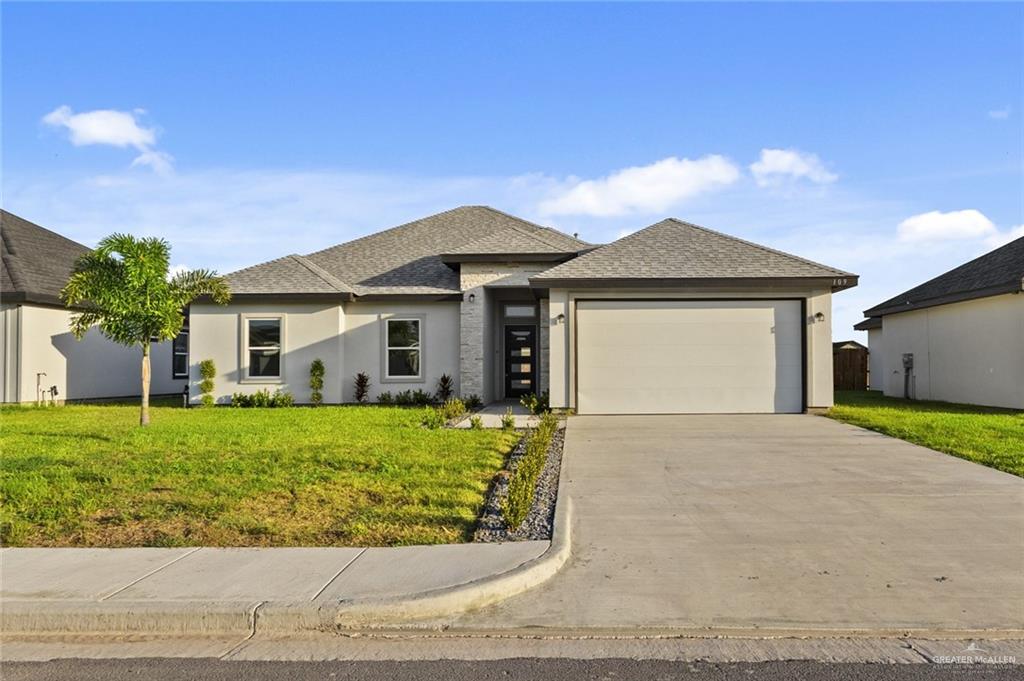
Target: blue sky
point(882, 139)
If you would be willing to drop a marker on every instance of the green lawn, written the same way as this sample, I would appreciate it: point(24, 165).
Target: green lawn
point(87, 475)
point(989, 436)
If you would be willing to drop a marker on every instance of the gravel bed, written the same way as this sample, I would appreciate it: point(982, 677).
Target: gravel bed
point(491, 526)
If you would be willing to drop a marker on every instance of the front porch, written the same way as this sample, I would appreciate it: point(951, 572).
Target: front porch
point(504, 340)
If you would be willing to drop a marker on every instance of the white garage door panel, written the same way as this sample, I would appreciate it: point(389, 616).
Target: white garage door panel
point(657, 357)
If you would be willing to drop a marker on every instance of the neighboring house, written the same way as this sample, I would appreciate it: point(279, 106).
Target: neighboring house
point(674, 318)
point(38, 351)
point(956, 338)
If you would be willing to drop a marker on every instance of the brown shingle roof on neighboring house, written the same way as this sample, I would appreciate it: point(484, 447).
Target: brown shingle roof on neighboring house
point(403, 260)
point(36, 263)
point(997, 272)
point(673, 250)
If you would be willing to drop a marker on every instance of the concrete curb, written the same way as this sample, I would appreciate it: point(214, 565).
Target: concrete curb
point(171, 618)
point(374, 613)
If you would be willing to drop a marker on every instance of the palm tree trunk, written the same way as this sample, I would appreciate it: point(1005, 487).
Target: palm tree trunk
point(144, 417)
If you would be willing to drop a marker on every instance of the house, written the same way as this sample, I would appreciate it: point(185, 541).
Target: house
point(38, 353)
point(673, 318)
point(956, 338)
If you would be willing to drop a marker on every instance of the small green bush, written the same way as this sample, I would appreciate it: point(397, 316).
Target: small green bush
point(207, 371)
point(445, 388)
point(476, 423)
point(263, 399)
point(385, 398)
point(362, 385)
point(432, 418)
point(316, 381)
point(422, 398)
point(536, 404)
point(404, 398)
point(453, 408)
point(473, 402)
point(508, 421)
point(522, 484)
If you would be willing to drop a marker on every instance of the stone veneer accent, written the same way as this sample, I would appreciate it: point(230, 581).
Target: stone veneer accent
point(475, 319)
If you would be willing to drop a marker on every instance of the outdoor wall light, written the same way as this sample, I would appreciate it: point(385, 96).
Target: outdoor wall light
point(819, 316)
point(560, 319)
point(472, 297)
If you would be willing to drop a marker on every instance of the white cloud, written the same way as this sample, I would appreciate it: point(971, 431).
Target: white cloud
point(112, 128)
point(1002, 238)
point(1000, 114)
point(779, 165)
point(160, 161)
point(175, 270)
point(642, 189)
point(938, 226)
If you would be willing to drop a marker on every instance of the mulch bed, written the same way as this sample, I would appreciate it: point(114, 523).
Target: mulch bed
point(491, 526)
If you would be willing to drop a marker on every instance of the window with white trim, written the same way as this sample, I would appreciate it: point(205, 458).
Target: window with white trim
point(403, 348)
point(263, 345)
point(179, 354)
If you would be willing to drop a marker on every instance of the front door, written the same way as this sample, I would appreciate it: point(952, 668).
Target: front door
point(520, 360)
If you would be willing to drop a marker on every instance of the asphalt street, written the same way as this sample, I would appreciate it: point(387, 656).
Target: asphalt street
point(503, 670)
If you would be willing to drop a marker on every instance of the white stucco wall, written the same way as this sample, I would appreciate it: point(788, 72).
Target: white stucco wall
point(561, 360)
point(347, 338)
point(876, 360)
point(971, 352)
point(37, 340)
point(310, 331)
point(364, 345)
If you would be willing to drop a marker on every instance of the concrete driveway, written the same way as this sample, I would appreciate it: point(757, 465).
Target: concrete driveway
point(789, 522)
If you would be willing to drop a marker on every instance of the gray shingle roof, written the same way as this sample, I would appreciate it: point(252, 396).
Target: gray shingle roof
point(673, 249)
point(996, 272)
point(518, 240)
point(36, 262)
point(292, 274)
point(401, 260)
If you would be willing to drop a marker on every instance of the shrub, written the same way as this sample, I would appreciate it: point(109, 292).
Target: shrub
point(316, 381)
point(476, 423)
point(362, 387)
point(536, 405)
point(385, 398)
point(522, 484)
point(207, 371)
point(508, 421)
point(282, 398)
point(473, 402)
point(432, 418)
point(263, 399)
point(422, 398)
point(453, 408)
point(445, 388)
point(404, 398)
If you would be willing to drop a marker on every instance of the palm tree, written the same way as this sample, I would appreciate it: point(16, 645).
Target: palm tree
point(124, 288)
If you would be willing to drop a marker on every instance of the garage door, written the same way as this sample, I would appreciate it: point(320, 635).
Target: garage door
point(679, 357)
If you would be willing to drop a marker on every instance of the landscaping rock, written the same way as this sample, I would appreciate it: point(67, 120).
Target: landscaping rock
point(491, 526)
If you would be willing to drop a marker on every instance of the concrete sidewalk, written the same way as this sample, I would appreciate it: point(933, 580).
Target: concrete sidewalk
point(490, 416)
point(211, 590)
